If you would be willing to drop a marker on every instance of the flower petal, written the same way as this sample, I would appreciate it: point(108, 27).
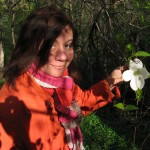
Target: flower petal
point(127, 75)
point(135, 64)
point(144, 73)
point(133, 84)
point(141, 82)
point(137, 82)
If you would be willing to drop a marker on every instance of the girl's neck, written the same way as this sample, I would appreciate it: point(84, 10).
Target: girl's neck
point(48, 81)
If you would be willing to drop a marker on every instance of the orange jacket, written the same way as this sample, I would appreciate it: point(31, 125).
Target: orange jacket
point(24, 119)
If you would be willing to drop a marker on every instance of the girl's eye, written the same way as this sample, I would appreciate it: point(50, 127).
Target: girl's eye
point(54, 45)
point(68, 46)
point(53, 48)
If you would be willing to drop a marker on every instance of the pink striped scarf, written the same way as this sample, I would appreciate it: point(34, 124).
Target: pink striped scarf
point(64, 82)
point(71, 116)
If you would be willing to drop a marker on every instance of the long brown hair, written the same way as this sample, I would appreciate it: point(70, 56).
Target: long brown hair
point(37, 35)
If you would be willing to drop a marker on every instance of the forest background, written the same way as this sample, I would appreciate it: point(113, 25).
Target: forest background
point(109, 32)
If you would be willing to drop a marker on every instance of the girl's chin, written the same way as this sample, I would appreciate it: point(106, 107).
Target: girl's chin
point(60, 74)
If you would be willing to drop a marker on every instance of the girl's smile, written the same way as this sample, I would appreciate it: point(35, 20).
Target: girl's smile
point(61, 54)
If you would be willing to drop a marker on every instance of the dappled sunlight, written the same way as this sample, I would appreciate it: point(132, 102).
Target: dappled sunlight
point(15, 119)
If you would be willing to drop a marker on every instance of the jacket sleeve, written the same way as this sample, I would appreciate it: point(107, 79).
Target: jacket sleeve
point(14, 121)
point(6, 141)
point(95, 97)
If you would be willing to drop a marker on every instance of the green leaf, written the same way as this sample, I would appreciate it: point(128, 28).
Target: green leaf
point(139, 93)
point(148, 5)
point(119, 106)
point(130, 47)
point(142, 54)
point(142, 18)
point(137, 4)
point(130, 107)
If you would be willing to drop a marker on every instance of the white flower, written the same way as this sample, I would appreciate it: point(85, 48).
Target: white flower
point(136, 73)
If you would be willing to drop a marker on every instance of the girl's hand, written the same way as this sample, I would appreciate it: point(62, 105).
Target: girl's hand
point(115, 77)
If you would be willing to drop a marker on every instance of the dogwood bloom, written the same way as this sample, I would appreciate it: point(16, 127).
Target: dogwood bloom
point(136, 74)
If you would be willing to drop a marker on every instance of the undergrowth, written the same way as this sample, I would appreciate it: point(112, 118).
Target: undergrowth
point(99, 136)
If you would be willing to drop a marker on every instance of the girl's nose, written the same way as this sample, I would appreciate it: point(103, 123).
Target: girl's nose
point(61, 54)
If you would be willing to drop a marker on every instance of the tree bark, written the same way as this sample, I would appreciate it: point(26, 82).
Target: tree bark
point(1, 46)
point(12, 25)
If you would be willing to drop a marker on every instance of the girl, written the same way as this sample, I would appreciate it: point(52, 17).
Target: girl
point(40, 105)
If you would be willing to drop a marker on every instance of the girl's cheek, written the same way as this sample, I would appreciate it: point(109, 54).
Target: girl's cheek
point(70, 57)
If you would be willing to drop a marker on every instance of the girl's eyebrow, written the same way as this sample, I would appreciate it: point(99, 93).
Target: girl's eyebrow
point(69, 41)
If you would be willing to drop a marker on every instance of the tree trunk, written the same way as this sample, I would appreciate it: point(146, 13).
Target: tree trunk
point(12, 25)
point(1, 46)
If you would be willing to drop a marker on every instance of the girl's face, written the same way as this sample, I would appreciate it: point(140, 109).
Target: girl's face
point(61, 54)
